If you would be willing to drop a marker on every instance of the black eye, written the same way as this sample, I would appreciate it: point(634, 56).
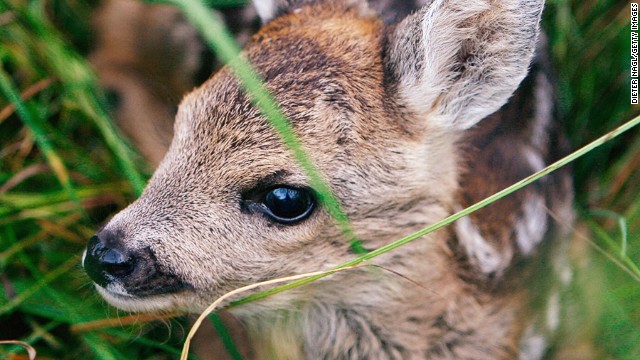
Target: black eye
point(288, 205)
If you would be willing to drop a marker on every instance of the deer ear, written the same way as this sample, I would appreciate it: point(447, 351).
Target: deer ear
point(459, 61)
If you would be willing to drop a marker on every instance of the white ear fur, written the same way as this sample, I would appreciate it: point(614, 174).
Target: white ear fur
point(459, 61)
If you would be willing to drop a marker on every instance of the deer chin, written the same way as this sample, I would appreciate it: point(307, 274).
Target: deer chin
point(189, 302)
point(116, 296)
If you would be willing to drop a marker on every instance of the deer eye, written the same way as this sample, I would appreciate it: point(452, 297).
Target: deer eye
point(288, 205)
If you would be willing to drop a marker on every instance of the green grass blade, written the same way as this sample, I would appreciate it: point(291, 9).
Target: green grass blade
point(622, 226)
point(229, 345)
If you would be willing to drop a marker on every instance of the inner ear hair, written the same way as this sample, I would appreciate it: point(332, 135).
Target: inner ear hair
point(457, 62)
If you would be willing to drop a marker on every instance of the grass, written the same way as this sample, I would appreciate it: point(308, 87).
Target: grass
point(64, 169)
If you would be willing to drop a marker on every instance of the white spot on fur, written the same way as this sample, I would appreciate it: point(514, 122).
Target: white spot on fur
point(534, 159)
point(479, 251)
point(566, 275)
point(532, 345)
point(116, 289)
point(117, 296)
point(543, 111)
point(531, 227)
point(553, 312)
point(563, 212)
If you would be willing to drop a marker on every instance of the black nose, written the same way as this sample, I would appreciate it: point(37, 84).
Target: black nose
point(105, 263)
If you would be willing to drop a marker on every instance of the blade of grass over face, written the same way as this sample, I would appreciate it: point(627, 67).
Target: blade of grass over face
point(452, 218)
point(218, 37)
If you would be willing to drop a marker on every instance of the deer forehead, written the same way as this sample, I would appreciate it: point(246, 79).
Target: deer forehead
point(326, 74)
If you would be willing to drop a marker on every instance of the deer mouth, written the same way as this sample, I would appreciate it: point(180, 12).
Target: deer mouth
point(122, 300)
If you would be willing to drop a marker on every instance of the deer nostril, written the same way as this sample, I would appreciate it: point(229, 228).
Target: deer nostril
point(117, 264)
point(104, 264)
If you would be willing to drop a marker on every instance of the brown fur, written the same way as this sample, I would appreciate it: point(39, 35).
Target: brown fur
point(343, 78)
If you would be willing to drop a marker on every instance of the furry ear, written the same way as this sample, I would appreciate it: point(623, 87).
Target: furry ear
point(459, 61)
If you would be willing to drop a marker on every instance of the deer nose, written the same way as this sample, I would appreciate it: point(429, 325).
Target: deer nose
point(105, 264)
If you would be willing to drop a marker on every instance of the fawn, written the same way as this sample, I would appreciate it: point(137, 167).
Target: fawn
point(387, 97)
